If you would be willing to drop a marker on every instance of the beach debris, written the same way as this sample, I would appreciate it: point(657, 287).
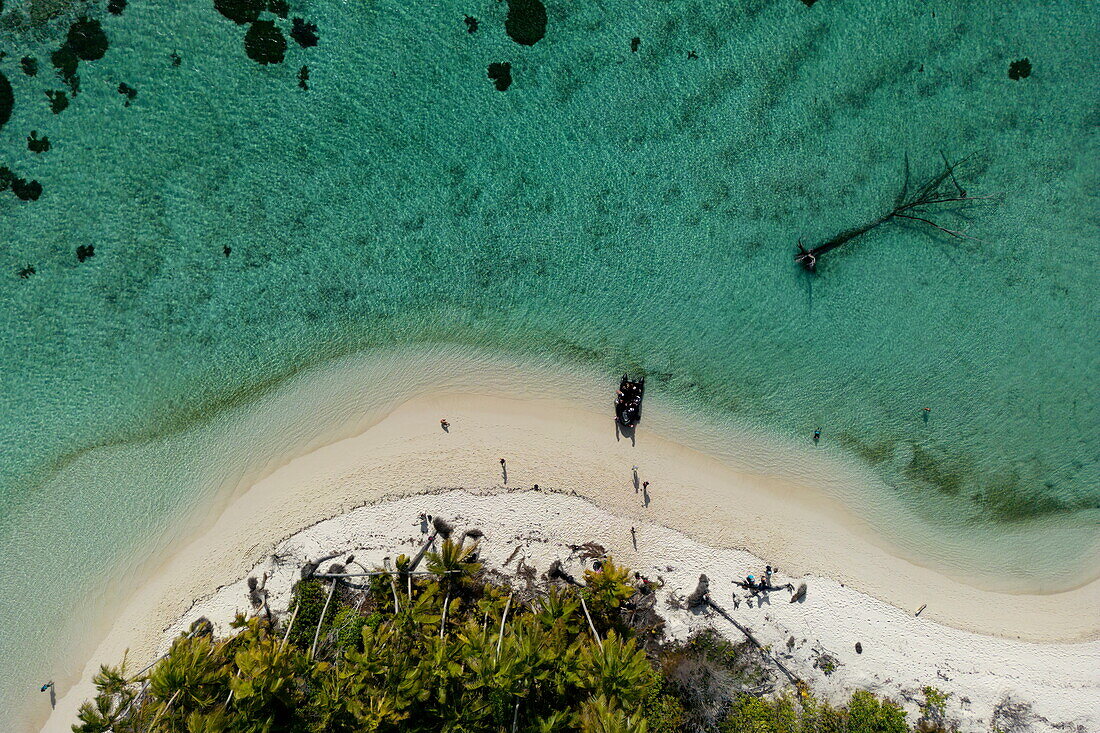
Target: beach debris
point(1019, 69)
point(826, 662)
point(304, 32)
point(859, 648)
point(501, 74)
point(264, 43)
point(526, 21)
point(922, 607)
point(937, 191)
point(799, 595)
point(557, 572)
point(588, 551)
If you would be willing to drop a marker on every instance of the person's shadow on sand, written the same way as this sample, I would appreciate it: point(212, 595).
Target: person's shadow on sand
point(621, 430)
point(53, 699)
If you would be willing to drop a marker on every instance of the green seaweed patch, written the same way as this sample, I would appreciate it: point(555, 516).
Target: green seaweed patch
point(37, 144)
point(240, 11)
point(58, 101)
point(264, 43)
point(1010, 499)
point(926, 467)
point(29, 64)
point(874, 452)
point(526, 21)
point(7, 100)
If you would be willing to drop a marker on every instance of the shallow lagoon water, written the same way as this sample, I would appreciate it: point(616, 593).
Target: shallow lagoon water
point(610, 210)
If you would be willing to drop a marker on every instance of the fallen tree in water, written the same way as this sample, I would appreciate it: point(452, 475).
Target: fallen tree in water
point(941, 191)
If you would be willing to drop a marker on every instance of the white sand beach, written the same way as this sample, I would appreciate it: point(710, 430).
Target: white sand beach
point(704, 515)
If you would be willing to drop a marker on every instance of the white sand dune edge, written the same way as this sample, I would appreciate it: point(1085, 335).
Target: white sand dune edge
point(565, 448)
point(992, 682)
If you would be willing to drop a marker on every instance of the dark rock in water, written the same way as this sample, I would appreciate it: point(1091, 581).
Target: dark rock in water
point(1019, 69)
point(30, 65)
point(859, 648)
point(303, 78)
point(37, 144)
point(471, 24)
point(240, 11)
point(227, 250)
point(176, 58)
point(7, 99)
point(58, 101)
point(115, 7)
point(304, 33)
point(809, 2)
point(27, 271)
point(87, 39)
point(85, 251)
point(635, 42)
point(264, 43)
point(279, 7)
point(129, 91)
point(526, 22)
point(501, 74)
point(6, 177)
point(26, 190)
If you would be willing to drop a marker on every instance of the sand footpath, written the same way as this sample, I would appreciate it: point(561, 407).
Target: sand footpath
point(562, 447)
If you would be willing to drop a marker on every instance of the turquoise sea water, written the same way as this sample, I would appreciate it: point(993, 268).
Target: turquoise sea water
point(611, 209)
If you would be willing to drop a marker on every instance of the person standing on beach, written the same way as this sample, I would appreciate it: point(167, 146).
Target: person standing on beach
point(46, 686)
point(444, 424)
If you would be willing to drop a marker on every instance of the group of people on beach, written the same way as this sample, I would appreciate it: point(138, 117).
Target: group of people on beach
point(628, 395)
point(763, 585)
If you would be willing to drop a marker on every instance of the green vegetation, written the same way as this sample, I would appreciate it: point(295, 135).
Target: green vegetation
point(453, 650)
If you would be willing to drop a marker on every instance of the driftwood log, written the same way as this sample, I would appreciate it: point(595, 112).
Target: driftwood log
point(936, 192)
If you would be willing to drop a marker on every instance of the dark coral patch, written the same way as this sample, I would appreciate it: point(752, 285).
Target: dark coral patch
point(279, 7)
point(58, 101)
point(30, 65)
point(304, 32)
point(1019, 69)
point(501, 74)
point(85, 251)
point(27, 271)
point(635, 42)
point(526, 22)
point(37, 144)
point(808, 3)
point(264, 43)
point(7, 99)
point(303, 78)
point(115, 7)
point(240, 11)
point(129, 91)
point(26, 190)
point(87, 39)
point(66, 62)
point(471, 24)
